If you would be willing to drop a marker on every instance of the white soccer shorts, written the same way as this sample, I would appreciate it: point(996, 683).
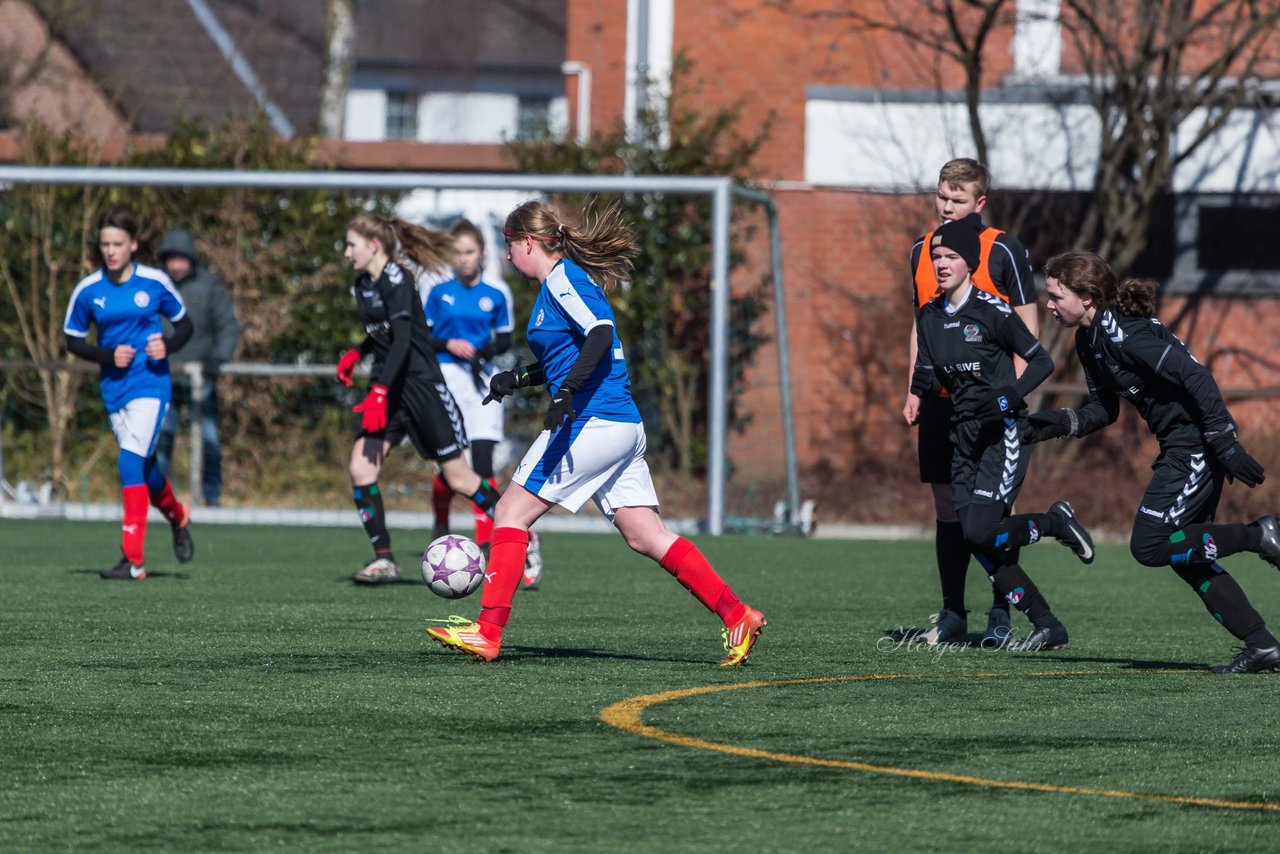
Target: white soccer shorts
point(137, 425)
point(483, 422)
point(601, 460)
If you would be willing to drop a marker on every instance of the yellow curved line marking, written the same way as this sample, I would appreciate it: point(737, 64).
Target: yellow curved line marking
point(628, 715)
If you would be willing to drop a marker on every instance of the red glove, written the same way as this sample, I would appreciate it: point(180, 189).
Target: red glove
point(347, 367)
point(373, 409)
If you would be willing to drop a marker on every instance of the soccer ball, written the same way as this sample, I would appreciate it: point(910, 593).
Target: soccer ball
point(453, 566)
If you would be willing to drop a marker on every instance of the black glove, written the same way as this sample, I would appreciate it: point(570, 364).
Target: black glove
point(1234, 459)
point(477, 373)
point(502, 384)
point(1003, 401)
point(561, 408)
point(1048, 424)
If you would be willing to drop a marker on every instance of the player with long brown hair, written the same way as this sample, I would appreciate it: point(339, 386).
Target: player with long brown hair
point(594, 442)
point(407, 396)
point(1127, 353)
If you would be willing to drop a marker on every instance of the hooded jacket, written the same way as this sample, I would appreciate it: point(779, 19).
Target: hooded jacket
point(209, 306)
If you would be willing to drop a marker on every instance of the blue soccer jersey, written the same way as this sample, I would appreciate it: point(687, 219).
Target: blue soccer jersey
point(473, 313)
point(569, 305)
point(126, 313)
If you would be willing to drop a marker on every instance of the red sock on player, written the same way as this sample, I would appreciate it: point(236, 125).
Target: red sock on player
point(168, 504)
point(695, 573)
point(441, 496)
point(484, 522)
point(502, 577)
point(134, 528)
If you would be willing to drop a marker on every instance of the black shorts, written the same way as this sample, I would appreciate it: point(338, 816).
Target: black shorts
point(933, 439)
point(1184, 490)
point(991, 466)
point(425, 413)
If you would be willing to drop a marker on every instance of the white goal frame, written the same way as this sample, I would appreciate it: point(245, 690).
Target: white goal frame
point(721, 190)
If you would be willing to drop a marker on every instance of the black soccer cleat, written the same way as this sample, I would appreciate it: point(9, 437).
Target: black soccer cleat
point(1252, 659)
point(1270, 548)
point(184, 548)
point(1077, 538)
point(125, 571)
point(1043, 638)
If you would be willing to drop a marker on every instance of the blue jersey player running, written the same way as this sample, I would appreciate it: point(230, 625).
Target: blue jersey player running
point(471, 320)
point(124, 300)
point(594, 442)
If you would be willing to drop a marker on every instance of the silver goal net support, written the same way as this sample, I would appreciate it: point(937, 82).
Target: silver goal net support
point(721, 191)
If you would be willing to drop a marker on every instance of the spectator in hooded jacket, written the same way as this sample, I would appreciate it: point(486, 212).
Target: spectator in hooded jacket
point(213, 343)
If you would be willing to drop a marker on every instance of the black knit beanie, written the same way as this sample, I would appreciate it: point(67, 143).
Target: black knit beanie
point(961, 237)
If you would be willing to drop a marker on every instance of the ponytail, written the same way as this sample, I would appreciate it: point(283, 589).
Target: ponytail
point(1137, 298)
point(604, 245)
point(426, 248)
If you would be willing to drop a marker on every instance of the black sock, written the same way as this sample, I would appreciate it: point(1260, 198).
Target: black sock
point(953, 564)
point(1020, 591)
point(368, 501)
point(1027, 528)
point(1226, 601)
point(997, 598)
point(1203, 543)
point(486, 497)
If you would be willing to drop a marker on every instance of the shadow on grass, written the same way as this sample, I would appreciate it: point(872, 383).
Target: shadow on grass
point(1130, 663)
point(532, 653)
point(363, 585)
point(172, 576)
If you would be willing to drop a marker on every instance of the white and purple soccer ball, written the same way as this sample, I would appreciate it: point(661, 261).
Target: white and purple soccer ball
point(453, 566)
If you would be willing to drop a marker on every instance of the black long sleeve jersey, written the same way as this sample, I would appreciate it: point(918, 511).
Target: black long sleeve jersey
point(968, 351)
point(396, 328)
point(1140, 359)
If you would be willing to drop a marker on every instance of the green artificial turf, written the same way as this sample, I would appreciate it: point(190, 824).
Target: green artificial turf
point(257, 699)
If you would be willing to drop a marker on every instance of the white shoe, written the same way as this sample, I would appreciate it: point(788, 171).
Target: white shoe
point(532, 564)
point(948, 627)
point(381, 571)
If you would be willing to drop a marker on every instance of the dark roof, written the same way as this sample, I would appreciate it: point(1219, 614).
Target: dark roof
point(462, 35)
point(157, 63)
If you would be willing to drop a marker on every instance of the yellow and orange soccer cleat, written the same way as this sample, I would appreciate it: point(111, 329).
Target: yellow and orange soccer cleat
point(463, 635)
point(741, 636)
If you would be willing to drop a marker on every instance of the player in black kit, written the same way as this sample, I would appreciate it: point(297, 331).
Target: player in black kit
point(1005, 271)
point(966, 342)
point(408, 396)
point(1127, 353)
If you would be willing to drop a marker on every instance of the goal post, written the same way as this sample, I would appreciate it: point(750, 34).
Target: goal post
point(721, 191)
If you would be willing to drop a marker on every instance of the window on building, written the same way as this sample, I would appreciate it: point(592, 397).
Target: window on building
point(533, 117)
point(1238, 237)
point(402, 115)
point(1048, 222)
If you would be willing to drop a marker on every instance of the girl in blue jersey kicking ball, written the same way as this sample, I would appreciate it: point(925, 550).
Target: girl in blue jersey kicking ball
point(125, 300)
point(594, 442)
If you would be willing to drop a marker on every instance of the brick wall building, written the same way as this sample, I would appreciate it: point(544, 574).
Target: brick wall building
point(850, 206)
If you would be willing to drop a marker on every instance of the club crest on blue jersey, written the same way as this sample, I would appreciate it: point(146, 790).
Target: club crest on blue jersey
point(141, 300)
point(541, 317)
